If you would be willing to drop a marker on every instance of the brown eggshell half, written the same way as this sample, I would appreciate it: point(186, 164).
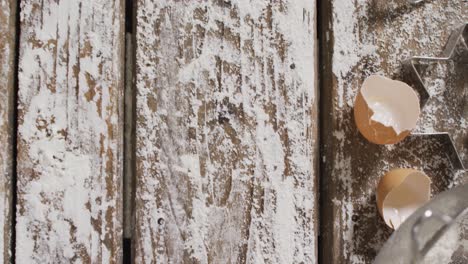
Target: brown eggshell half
point(374, 131)
point(401, 107)
point(401, 192)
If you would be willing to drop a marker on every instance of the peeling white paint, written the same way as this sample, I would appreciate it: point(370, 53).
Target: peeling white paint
point(227, 175)
point(69, 172)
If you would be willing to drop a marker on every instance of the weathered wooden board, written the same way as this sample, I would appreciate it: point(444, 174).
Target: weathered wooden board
point(226, 132)
point(70, 132)
point(7, 56)
point(366, 37)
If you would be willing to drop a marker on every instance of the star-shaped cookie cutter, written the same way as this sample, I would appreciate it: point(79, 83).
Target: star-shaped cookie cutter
point(456, 49)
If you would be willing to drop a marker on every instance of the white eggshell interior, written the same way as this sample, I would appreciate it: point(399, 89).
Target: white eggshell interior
point(406, 198)
point(394, 104)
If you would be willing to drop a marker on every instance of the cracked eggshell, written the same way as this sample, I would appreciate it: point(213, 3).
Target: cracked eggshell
point(386, 110)
point(400, 193)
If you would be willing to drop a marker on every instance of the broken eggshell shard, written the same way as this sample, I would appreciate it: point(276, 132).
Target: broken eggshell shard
point(386, 110)
point(400, 193)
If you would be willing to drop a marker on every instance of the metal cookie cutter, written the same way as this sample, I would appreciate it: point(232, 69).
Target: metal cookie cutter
point(455, 50)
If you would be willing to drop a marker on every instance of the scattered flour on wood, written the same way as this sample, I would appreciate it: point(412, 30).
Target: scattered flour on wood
point(362, 47)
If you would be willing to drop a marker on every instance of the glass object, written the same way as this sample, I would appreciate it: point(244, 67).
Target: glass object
point(436, 233)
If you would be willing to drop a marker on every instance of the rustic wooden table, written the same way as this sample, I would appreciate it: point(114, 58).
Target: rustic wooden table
point(209, 131)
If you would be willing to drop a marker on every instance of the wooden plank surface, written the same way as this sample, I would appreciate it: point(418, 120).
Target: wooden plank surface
point(7, 56)
point(70, 132)
point(365, 37)
point(226, 132)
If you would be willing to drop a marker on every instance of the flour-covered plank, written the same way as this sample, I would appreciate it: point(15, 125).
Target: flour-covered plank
point(367, 37)
point(7, 55)
point(70, 132)
point(226, 132)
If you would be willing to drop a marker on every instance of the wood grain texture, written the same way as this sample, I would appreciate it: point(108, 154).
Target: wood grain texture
point(70, 132)
point(226, 132)
point(362, 38)
point(129, 142)
point(7, 71)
